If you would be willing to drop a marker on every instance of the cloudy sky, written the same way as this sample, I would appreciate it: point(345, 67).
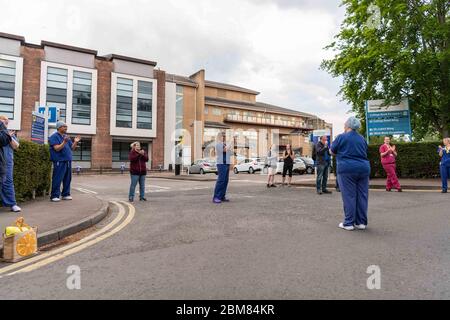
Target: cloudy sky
point(272, 46)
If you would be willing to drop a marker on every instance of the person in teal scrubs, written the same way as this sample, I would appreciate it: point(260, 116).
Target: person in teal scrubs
point(444, 153)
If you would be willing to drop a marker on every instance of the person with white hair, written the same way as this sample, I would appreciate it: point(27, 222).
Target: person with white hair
point(7, 191)
point(444, 153)
point(138, 170)
point(350, 149)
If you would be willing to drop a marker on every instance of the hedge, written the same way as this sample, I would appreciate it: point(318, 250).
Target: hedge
point(415, 160)
point(32, 170)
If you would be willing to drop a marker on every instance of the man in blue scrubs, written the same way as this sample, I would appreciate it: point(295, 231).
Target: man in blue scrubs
point(353, 174)
point(444, 153)
point(61, 147)
point(223, 154)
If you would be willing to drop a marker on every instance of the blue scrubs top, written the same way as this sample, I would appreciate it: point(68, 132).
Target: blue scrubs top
point(222, 157)
point(350, 149)
point(445, 160)
point(63, 155)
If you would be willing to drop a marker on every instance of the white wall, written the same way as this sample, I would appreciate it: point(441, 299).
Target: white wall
point(69, 57)
point(10, 46)
point(133, 68)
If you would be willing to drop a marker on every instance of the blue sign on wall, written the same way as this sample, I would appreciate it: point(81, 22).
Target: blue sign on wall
point(52, 114)
point(38, 128)
point(387, 120)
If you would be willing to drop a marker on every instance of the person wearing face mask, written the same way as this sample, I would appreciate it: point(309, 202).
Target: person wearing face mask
point(138, 170)
point(388, 153)
point(7, 191)
point(353, 173)
point(444, 153)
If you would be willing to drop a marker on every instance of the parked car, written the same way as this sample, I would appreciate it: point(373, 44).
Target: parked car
point(309, 162)
point(299, 166)
point(203, 166)
point(250, 165)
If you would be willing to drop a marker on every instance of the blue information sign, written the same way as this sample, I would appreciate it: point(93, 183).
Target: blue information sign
point(52, 114)
point(38, 128)
point(387, 120)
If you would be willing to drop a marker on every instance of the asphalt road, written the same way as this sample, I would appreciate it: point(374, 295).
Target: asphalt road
point(281, 243)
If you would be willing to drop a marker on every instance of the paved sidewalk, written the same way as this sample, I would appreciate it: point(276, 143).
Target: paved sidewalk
point(48, 216)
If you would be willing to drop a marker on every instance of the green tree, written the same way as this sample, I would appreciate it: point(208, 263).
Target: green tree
point(389, 49)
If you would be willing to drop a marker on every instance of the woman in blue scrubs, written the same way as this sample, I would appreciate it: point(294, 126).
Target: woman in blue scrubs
point(353, 173)
point(444, 153)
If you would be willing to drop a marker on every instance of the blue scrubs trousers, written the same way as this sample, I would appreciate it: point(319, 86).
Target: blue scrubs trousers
point(62, 173)
point(355, 195)
point(222, 181)
point(7, 185)
point(445, 175)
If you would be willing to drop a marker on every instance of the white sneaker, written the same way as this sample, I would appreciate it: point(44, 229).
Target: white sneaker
point(16, 208)
point(349, 228)
point(67, 198)
point(56, 200)
point(360, 226)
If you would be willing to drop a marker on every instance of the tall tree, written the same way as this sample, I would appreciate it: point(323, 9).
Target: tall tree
point(389, 49)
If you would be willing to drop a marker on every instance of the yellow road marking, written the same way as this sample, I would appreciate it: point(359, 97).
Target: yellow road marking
point(46, 258)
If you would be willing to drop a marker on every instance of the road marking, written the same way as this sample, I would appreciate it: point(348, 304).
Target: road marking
point(159, 187)
point(58, 254)
point(86, 191)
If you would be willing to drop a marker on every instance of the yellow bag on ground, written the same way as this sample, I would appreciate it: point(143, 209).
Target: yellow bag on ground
point(10, 231)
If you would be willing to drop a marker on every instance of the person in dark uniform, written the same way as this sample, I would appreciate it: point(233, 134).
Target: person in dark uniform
point(223, 153)
point(323, 161)
point(288, 158)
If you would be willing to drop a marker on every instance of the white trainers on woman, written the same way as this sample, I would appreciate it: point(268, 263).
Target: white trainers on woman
point(349, 228)
point(16, 208)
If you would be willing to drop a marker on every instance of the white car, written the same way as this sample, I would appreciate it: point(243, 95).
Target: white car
point(310, 167)
point(299, 166)
point(250, 165)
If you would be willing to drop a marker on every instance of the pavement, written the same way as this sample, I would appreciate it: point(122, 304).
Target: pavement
point(60, 217)
point(280, 243)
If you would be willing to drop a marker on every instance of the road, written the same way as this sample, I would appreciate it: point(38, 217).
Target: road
point(281, 243)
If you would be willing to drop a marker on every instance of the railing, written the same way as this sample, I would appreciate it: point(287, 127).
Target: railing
point(267, 121)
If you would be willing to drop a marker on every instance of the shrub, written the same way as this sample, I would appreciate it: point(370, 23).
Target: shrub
point(415, 160)
point(32, 170)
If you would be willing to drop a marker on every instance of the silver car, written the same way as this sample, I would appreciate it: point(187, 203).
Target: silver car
point(203, 166)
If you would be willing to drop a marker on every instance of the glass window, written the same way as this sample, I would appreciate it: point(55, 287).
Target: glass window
point(7, 87)
point(57, 89)
point(206, 110)
point(83, 151)
point(124, 107)
point(217, 112)
point(81, 101)
point(144, 107)
point(179, 108)
point(122, 149)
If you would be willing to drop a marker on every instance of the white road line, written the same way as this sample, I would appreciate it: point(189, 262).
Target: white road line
point(60, 253)
point(159, 187)
point(86, 191)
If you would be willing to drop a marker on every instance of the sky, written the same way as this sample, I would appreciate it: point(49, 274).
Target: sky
point(272, 46)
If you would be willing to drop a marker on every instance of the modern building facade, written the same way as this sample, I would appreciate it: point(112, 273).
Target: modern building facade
point(112, 101)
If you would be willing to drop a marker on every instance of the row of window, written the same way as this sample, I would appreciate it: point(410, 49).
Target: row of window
point(120, 150)
point(7, 87)
point(72, 90)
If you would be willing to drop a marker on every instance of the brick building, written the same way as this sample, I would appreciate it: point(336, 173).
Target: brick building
point(113, 100)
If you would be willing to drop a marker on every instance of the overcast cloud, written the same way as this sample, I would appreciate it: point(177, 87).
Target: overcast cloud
point(272, 46)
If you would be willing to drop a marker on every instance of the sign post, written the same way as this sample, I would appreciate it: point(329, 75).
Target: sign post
point(384, 120)
point(39, 128)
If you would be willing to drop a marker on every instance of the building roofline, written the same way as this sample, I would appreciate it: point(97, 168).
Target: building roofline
point(220, 85)
point(12, 37)
point(182, 80)
point(131, 59)
point(67, 47)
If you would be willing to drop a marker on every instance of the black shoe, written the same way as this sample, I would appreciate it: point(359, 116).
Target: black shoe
point(142, 199)
point(400, 190)
point(319, 192)
point(273, 186)
point(268, 185)
point(444, 191)
point(327, 192)
point(131, 200)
